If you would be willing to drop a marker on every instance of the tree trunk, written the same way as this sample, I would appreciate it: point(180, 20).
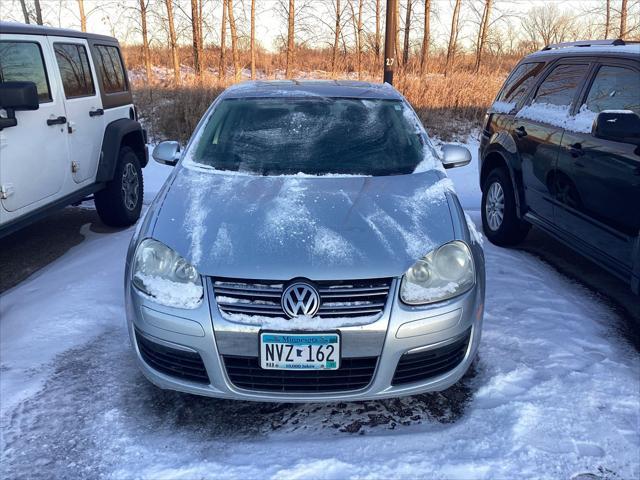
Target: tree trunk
point(359, 36)
point(397, 34)
point(25, 12)
point(482, 33)
point(146, 55)
point(195, 31)
point(38, 12)
point(426, 37)
point(290, 42)
point(173, 42)
point(377, 39)
point(234, 41)
point(253, 39)
point(336, 39)
point(607, 22)
point(222, 67)
point(83, 17)
point(451, 51)
point(407, 29)
point(623, 19)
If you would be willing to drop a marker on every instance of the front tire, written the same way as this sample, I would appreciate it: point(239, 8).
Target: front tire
point(500, 222)
point(120, 202)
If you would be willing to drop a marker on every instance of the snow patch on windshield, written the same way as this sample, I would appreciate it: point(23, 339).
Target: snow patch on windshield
point(503, 107)
point(558, 115)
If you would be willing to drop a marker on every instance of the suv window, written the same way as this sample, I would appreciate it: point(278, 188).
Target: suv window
point(73, 64)
point(615, 88)
point(561, 85)
point(112, 72)
point(519, 82)
point(23, 62)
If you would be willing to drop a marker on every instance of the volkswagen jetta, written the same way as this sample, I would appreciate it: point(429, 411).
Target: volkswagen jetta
point(308, 246)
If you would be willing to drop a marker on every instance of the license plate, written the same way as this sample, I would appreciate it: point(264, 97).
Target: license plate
point(298, 351)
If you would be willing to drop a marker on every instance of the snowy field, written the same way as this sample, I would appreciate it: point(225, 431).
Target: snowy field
point(555, 392)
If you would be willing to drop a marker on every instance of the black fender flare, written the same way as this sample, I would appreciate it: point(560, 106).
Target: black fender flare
point(118, 133)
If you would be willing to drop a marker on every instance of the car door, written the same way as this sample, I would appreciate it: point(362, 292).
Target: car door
point(598, 186)
point(33, 154)
point(83, 105)
point(537, 131)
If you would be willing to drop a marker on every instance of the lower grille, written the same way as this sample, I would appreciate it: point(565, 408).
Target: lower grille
point(415, 367)
point(340, 298)
point(171, 361)
point(353, 374)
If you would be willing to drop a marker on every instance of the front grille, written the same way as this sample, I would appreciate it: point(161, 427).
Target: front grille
point(353, 374)
point(346, 298)
point(171, 361)
point(415, 367)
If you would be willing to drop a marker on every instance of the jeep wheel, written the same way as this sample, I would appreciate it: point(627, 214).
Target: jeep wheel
point(500, 223)
point(120, 202)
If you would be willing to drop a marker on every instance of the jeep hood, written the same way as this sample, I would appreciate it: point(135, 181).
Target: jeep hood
point(321, 228)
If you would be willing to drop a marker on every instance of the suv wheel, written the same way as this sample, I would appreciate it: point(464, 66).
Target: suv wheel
point(500, 223)
point(119, 204)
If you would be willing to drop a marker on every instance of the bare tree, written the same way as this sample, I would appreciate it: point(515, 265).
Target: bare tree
point(234, 41)
point(482, 33)
point(623, 19)
point(253, 39)
point(336, 38)
point(407, 29)
point(195, 30)
point(222, 66)
point(607, 22)
point(549, 24)
point(453, 36)
point(25, 12)
point(290, 39)
point(146, 54)
point(83, 17)
point(426, 37)
point(173, 42)
point(38, 12)
point(377, 42)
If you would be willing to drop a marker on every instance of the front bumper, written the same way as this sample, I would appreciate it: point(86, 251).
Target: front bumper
point(398, 330)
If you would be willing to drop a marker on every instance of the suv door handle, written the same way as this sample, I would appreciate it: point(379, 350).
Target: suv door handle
point(97, 112)
point(57, 121)
point(576, 150)
point(521, 131)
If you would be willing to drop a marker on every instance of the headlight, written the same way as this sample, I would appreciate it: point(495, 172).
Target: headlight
point(441, 274)
point(164, 275)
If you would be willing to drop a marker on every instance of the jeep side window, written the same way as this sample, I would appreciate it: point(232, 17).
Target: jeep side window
point(73, 64)
point(615, 88)
point(23, 62)
point(111, 69)
point(519, 82)
point(561, 85)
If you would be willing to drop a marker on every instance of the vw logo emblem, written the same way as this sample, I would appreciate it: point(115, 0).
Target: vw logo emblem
point(300, 299)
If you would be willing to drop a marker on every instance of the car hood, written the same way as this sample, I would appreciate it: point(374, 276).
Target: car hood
point(321, 228)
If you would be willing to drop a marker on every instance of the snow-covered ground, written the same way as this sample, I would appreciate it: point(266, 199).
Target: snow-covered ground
point(555, 392)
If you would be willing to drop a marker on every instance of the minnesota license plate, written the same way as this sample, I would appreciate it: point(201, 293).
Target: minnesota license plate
point(298, 351)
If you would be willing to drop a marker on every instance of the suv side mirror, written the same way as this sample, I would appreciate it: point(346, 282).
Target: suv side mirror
point(167, 153)
point(455, 156)
point(617, 125)
point(17, 96)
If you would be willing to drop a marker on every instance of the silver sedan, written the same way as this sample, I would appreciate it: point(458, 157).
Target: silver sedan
point(308, 246)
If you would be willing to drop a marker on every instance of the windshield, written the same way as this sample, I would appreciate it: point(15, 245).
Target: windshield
point(315, 136)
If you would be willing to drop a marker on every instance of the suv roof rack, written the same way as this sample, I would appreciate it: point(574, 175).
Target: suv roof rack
point(588, 43)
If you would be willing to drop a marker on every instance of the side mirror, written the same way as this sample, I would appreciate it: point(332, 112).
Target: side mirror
point(455, 156)
point(167, 153)
point(617, 125)
point(17, 96)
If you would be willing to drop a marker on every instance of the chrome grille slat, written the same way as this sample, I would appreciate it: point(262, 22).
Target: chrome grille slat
point(340, 298)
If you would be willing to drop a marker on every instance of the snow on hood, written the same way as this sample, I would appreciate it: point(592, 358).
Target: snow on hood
point(323, 228)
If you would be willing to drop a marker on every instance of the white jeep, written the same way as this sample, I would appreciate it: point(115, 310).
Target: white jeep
point(68, 127)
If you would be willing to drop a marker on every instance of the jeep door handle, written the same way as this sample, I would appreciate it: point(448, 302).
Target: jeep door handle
point(521, 132)
point(576, 150)
point(57, 121)
point(96, 113)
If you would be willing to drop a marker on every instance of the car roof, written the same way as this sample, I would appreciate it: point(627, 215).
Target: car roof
point(631, 50)
point(313, 88)
point(23, 29)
